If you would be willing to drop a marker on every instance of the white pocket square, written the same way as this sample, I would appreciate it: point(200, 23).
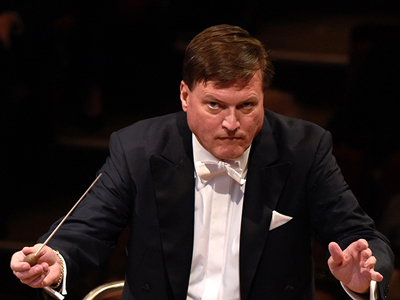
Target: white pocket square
point(278, 219)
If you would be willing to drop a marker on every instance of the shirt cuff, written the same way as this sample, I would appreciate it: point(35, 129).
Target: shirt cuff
point(53, 293)
point(373, 292)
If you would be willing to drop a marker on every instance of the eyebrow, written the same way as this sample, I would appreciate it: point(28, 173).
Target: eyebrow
point(213, 98)
point(208, 96)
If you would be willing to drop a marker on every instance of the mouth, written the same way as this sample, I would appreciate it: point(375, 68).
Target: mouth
point(230, 138)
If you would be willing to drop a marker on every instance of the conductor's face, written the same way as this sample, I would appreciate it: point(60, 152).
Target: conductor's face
point(225, 118)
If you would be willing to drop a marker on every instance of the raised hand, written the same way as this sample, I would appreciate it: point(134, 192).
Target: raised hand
point(354, 266)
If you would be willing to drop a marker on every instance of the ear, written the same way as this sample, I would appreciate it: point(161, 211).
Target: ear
point(184, 95)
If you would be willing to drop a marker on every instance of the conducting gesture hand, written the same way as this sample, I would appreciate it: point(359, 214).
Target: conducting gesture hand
point(45, 273)
point(354, 266)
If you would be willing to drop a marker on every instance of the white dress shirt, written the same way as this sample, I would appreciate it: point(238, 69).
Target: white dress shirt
point(218, 214)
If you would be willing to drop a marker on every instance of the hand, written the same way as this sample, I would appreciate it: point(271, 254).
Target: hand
point(354, 266)
point(45, 273)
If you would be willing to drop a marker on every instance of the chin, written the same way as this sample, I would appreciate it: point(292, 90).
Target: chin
point(228, 154)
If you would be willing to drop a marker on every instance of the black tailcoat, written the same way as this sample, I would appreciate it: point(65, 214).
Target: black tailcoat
point(148, 184)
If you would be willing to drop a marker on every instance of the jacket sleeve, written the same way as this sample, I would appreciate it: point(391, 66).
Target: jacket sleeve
point(337, 216)
point(92, 230)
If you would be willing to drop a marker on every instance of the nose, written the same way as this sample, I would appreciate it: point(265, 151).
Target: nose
point(231, 122)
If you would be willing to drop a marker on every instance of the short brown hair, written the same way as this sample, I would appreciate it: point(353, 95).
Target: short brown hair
point(223, 53)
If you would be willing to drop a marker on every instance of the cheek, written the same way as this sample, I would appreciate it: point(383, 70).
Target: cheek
point(207, 129)
point(203, 126)
point(253, 126)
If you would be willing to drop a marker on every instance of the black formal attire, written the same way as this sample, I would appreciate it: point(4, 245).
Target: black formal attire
point(148, 184)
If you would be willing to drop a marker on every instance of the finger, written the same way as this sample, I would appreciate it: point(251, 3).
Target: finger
point(37, 282)
point(41, 280)
point(31, 276)
point(365, 256)
point(17, 262)
point(367, 252)
point(376, 276)
point(46, 267)
point(28, 250)
point(360, 245)
point(336, 253)
point(370, 262)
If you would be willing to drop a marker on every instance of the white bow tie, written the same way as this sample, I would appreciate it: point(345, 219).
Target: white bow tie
point(209, 170)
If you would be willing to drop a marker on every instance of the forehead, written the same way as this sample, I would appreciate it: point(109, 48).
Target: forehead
point(240, 84)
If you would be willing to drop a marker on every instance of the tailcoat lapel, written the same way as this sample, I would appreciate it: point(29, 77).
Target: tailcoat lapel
point(265, 180)
point(173, 174)
point(173, 178)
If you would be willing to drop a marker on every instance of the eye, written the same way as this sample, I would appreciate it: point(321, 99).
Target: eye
point(213, 105)
point(246, 106)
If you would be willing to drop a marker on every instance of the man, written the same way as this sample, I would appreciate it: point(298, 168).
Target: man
point(222, 199)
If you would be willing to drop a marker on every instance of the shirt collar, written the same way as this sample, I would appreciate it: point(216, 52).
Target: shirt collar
point(201, 154)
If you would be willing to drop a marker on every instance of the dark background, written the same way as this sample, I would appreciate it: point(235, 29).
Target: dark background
point(78, 70)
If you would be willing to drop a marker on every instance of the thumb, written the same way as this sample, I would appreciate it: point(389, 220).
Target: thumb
point(28, 250)
point(337, 255)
